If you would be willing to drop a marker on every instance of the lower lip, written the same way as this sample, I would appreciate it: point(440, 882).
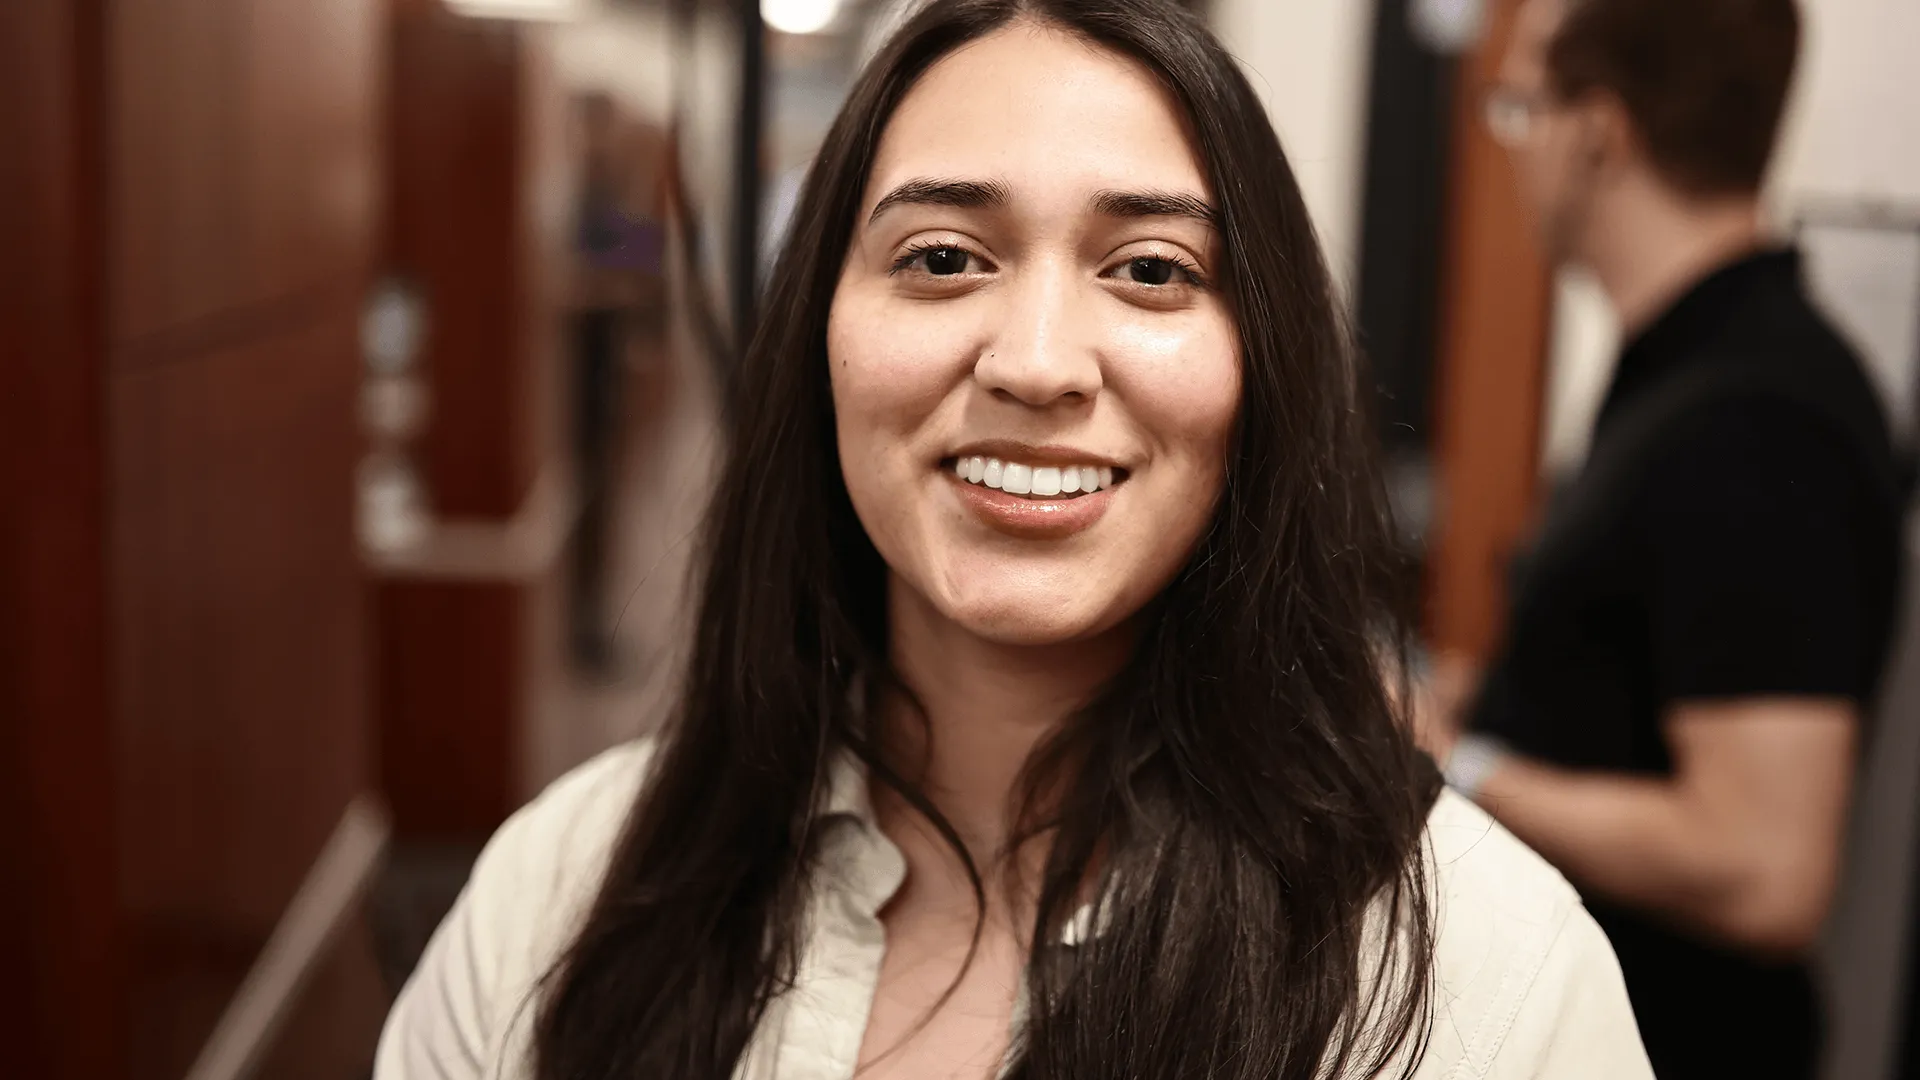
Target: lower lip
point(1032, 519)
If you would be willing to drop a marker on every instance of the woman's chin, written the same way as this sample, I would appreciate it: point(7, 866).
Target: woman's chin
point(1032, 601)
point(1034, 620)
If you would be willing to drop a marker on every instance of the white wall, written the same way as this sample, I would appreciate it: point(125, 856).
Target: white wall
point(1309, 60)
point(1853, 137)
point(1580, 354)
point(1852, 129)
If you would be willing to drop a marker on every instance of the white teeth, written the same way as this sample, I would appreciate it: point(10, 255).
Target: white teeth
point(1041, 481)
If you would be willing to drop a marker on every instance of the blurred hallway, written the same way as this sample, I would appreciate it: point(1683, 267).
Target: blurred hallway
point(672, 449)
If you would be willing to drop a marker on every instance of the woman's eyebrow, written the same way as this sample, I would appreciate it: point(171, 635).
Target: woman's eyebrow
point(993, 194)
point(1130, 204)
point(933, 191)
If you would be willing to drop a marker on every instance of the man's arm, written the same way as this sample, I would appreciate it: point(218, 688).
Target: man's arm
point(1761, 644)
point(1742, 843)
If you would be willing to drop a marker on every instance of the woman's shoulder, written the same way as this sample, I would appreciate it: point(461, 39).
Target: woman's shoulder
point(1525, 983)
point(1497, 904)
point(585, 807)
point(1473, 854)
point(548, 860)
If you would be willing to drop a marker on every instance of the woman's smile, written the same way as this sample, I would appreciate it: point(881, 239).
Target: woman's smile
point(1034, 502)
point(1033, 492)
point(1034, 481)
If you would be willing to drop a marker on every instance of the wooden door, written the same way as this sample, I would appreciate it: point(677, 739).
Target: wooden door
point(1494, 312)
point(62, 1017)
point(479, 215)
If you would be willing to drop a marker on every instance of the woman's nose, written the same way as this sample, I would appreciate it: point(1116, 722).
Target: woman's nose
point(1042, 352)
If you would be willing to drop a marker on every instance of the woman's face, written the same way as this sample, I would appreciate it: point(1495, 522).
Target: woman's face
point(1035, 372)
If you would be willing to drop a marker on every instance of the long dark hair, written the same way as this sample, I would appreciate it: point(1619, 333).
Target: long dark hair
point(1244, 793)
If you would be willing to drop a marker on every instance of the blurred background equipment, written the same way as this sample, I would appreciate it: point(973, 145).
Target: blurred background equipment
point(360, 383)
point(1863, 259)
point(392, 512)
point(1863, 266)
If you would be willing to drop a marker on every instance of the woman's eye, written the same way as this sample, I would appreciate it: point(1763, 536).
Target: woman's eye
point(942, 261)
point(1151, 270)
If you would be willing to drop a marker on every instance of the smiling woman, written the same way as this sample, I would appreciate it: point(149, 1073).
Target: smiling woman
point(1035, 725)
point(1054, 311)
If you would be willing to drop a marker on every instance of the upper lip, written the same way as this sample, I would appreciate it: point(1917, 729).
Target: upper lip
point(1032, 454)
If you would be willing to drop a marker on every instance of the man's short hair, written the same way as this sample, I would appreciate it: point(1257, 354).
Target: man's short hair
point(1704, 81)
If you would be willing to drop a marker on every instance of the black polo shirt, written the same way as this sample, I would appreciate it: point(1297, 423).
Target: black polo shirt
point(1734, 533)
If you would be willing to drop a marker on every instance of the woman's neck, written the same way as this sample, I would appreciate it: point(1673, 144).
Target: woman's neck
point(987, 706)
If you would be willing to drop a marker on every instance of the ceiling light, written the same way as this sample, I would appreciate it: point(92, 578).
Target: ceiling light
point(799, 16)
point(521, 10)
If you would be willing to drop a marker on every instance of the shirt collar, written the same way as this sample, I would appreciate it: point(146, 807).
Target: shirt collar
point(873, 866)
point(848, 797)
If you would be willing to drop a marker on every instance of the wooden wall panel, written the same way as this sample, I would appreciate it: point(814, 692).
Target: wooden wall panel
point(61, 943)
point(186, 214)
point(240, 635)
point(456, 218)
point(451, 677)
point(1494, 317)
point(242, 141)
point(243, 181)
point(481, 222)
point(239, 621)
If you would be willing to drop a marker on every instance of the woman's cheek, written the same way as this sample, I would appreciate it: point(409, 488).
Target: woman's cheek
point(891, 352)
point(1186, 374)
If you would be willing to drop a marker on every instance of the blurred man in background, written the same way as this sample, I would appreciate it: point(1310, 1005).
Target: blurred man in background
point(1695, 640)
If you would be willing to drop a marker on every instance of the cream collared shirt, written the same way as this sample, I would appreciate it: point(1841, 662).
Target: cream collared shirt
point(1526, 985)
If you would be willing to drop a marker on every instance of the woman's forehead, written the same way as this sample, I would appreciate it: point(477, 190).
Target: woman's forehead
point(1048, 114)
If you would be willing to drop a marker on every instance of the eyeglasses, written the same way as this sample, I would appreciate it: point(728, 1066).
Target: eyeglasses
point(1509, 112)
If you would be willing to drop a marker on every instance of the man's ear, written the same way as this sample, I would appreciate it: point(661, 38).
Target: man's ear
point(1610, 143)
